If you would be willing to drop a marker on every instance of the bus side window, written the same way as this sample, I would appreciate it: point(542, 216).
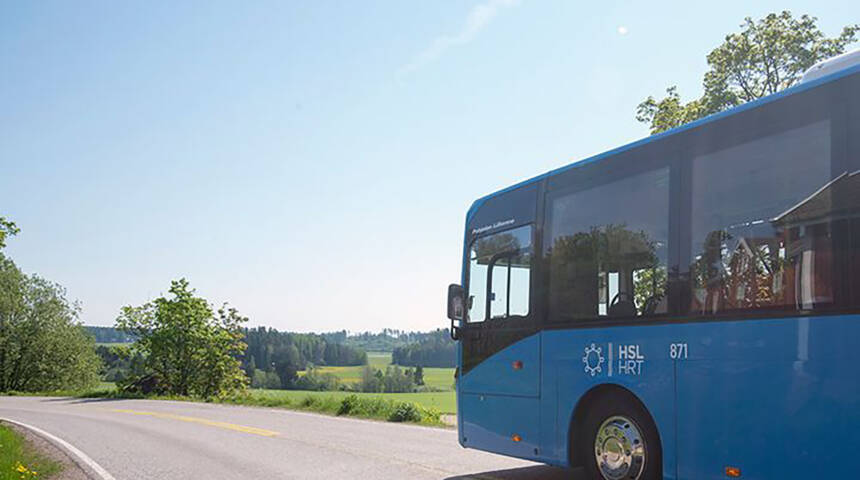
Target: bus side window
point(762, 223)
point(609, 249)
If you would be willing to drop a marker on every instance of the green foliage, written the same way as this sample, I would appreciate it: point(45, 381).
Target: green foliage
point(120, 363)
point(395, 380)
point(7, 229)
point(385, 341)
point(371, 407)
point(766, 56)
point(19, 460)
point(371, 380)
point(261, 379)
point(405, 412)
point(418, 375)
point(109, 335)
point(42, 346)
point(313, 379)
point(188, 349)
point(437, 401)
point(436, 349)
point(288, 353)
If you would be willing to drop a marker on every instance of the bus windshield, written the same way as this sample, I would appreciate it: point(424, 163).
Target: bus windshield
point(499, 275)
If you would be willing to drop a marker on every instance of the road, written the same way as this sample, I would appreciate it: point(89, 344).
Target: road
point(146, 439)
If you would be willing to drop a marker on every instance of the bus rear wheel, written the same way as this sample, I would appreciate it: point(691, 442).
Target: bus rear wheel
point(621, 441)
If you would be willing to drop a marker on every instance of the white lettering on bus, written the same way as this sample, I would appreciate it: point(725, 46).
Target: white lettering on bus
point(499, 224)
point(630, 360)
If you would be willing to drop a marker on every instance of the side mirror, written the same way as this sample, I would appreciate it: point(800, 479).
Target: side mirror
point(456, 307)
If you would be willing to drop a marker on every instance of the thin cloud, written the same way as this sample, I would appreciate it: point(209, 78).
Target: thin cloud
point(479, 17)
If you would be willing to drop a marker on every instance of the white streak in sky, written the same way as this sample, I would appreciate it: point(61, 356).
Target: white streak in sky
point(479, 17)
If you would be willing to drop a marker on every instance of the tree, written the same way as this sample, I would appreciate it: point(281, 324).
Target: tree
point(371, 380)
point(189, 350)
point(42, 345)
point(767, 56)
point(419, 375)
point(7, 229)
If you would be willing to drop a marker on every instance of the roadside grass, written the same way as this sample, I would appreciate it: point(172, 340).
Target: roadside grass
point(388, 407)
point(443, 402)
point(421, 408)
point(18, 460)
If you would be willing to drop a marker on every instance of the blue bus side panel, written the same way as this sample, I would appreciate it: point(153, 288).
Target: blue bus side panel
point(777, 399)
point(635, 358)
point(491, 421)
point(497, 375)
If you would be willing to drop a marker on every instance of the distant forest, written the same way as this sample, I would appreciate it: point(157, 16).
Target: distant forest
point(275, 358)
point(109, 335)
point(435, 349)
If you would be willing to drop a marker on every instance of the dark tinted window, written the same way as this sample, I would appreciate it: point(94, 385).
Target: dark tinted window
point(762, 224)
point(608, 249)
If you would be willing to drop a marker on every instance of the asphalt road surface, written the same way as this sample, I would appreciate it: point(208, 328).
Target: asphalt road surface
point(144, 439)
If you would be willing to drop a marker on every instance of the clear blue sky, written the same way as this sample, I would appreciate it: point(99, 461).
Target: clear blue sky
point(312, 162)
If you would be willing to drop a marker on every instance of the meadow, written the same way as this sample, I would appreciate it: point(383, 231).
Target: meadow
point(441, 379)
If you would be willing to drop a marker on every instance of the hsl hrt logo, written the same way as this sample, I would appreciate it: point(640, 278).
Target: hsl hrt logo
point(593, 359)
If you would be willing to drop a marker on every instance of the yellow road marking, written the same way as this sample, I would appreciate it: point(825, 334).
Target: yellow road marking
point(203, 421)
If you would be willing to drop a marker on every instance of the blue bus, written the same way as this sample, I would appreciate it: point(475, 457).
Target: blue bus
point(683, 307)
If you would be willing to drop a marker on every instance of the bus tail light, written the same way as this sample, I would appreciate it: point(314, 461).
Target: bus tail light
point(733, 472)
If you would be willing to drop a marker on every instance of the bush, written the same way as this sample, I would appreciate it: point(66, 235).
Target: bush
point(313, 379)
point(405, 412)
point(347, 405)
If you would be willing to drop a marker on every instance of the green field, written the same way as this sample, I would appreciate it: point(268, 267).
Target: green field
point(436, 378)
point(444, 402)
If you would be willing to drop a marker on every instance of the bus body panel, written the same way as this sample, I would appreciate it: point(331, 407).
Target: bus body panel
point(492, 421)
point(775, 398)
point(514, 370)
point(635, 358)
point(499, 399)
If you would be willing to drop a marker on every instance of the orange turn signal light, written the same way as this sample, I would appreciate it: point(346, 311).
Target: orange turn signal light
point(516, 438)
point(733, 472)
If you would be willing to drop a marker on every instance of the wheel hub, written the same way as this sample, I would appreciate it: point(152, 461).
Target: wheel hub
point(619, 449)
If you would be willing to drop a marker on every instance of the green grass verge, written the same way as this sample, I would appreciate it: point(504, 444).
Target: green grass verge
point(421, 408)
point(388, 407)
point(18, 459)
point(444, 402)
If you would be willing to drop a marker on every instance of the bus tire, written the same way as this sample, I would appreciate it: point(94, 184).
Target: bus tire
point(620, 440)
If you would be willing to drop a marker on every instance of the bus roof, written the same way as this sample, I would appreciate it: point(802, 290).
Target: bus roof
point(801, 87)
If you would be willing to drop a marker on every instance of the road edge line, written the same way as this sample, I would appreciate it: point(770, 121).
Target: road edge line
point(79, 457)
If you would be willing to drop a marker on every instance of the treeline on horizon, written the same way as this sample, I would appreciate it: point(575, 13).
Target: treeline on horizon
point(273, 359)
point(436, 349)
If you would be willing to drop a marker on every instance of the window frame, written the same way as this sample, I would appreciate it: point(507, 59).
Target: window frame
point(513, 321)
point(645, 159)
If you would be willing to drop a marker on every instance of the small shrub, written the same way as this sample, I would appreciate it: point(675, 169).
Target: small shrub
point(405, 412)
point(348, 405)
